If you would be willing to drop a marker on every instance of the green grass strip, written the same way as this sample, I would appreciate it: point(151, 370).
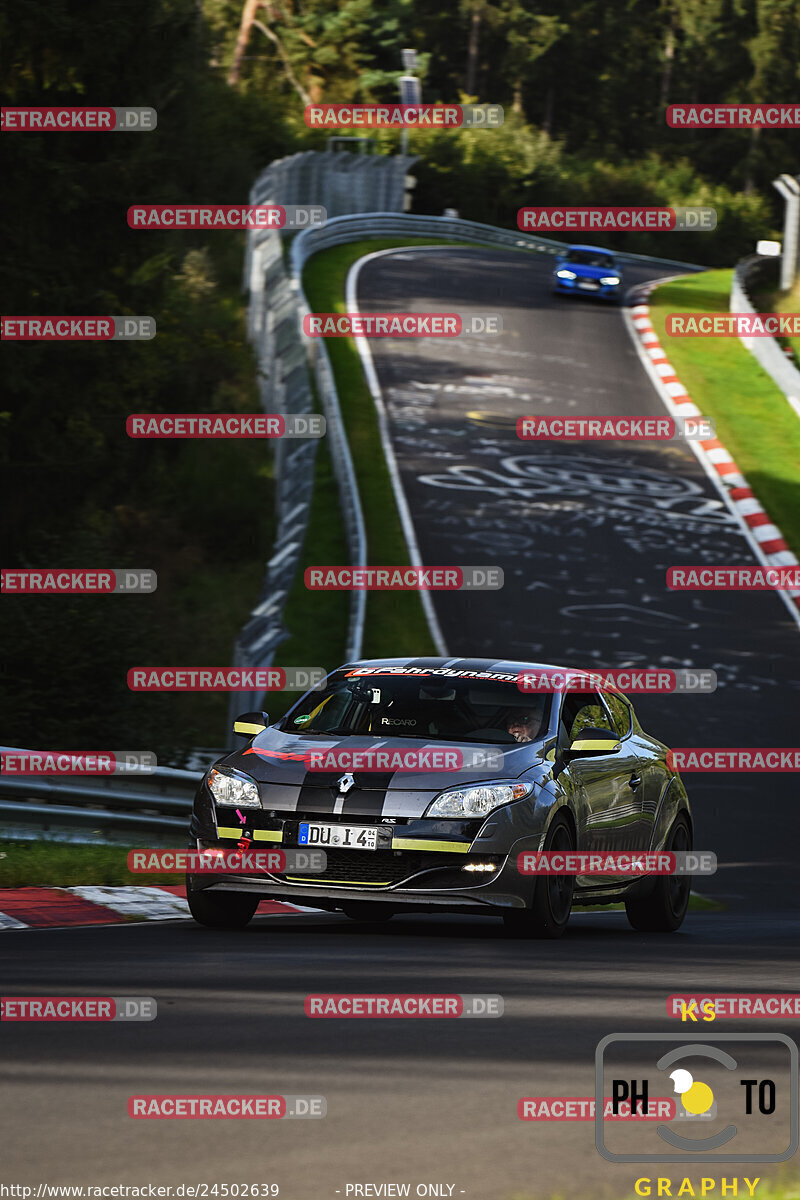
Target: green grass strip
point(753, 418)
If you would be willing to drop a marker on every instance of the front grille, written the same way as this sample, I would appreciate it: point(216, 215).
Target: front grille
point(373, 867)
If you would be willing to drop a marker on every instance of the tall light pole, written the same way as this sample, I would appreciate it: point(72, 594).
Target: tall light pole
point(789, 188)
point(410, 91)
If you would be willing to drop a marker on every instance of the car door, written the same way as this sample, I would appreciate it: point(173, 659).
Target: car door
point(605, 786)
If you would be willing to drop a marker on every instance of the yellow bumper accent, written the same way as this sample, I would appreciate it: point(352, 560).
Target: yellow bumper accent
point(259, 835)
point(425, 844)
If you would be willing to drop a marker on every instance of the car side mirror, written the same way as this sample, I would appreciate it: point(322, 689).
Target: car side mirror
point(251, 723)
point(591, 743)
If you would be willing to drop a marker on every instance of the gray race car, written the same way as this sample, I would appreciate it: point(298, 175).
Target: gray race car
point(555, 771)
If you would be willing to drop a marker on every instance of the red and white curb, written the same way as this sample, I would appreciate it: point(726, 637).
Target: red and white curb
point(764, 536)
point(61, 908)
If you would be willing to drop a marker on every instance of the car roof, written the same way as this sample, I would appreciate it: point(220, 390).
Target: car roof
point(593, 249)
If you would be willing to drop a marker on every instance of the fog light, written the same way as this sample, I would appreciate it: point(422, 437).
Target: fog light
point(479, 866)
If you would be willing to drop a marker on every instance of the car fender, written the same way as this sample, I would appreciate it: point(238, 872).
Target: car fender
point(672, 802)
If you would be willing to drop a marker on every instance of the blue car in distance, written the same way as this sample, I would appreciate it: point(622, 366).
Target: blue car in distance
point(587, 269)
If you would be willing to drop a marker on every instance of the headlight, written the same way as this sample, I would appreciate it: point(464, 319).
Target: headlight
point(565, 274)
point(610, 280)
point(233, 790)
point(477, 799)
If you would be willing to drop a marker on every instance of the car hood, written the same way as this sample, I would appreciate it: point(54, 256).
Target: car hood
point(276, 760)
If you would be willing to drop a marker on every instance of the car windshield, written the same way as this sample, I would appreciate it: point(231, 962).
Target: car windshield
point(590, 258)
point(421, 703)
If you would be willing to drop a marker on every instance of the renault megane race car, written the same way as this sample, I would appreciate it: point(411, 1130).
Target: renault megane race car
point(527, 771)
point(589, 270)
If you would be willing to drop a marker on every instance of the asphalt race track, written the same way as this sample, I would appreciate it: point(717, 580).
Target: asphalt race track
point(584, 535)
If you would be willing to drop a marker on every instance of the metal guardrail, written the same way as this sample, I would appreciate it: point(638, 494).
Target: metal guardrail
point(765, 350)
point(155, 802)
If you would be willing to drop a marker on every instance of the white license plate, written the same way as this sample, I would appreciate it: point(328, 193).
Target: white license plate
point(340, 837)
point(588, 284)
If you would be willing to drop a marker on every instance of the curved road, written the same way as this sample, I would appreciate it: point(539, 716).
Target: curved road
point(584, 535)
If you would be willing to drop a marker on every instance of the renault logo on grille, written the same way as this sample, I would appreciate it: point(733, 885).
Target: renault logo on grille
point(345, 783)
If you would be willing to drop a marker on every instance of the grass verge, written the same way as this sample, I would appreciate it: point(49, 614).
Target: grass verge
point(753, 418)
point(58, 864)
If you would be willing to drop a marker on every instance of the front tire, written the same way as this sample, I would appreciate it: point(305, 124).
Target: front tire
point(552, 897)
point(663, 908)
point(221, 910)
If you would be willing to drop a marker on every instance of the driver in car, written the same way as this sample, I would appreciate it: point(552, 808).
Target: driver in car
point(522, 726)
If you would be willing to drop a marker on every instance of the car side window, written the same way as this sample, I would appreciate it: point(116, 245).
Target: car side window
point(620, 711)
point(582, 710)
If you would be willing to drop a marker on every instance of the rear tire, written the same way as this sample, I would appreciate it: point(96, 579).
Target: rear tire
point(662, 910)
point(365, 910)
point(552, 898)
point(221, 910)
